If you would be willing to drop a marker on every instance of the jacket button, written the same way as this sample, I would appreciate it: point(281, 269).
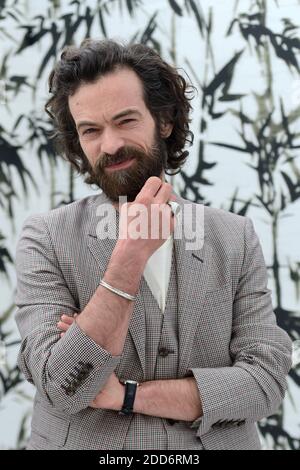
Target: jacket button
point(163, 352)
point(241, 422)
point(249, 359)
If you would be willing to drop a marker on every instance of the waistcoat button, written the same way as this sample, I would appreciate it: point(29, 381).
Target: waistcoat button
point(164, 352)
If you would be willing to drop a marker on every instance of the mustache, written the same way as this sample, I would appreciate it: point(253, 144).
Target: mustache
point(120, 156)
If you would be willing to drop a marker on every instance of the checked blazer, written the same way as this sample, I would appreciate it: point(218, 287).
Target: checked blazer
point(227, 336)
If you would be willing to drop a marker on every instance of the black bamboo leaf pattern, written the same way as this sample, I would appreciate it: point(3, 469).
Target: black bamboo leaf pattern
point(236, 202)
point(295, 277)
point(197, 11)
point(285, 44)
point(175, 7)
point(10, 160)
point(5, 259)
point(221, 83)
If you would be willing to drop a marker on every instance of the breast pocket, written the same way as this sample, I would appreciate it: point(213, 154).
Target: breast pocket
point(219, 300)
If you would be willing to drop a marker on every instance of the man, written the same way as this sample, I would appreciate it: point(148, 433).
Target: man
point(190, 327)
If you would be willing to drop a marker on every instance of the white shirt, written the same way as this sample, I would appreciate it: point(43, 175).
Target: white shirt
point(158, 267)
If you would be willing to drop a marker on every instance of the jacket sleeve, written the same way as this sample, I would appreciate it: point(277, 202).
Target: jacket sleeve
point(67, 371)
point(254, 386)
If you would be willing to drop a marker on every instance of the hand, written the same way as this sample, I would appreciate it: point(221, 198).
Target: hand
point(65, 322)
point(111, 396)
point(156, 218)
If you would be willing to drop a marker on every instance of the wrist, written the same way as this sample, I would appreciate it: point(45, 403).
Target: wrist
point(131, 387)
point(126, 250)
point(124, 271)
point(120, 398)
point(139, 397)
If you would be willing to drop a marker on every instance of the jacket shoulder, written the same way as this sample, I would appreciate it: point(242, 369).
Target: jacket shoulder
point(221, 228)
point(76, 213)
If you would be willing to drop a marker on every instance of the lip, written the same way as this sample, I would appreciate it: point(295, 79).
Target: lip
point(119, 166)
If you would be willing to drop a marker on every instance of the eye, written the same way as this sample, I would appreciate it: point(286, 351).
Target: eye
point(127, 121)
point(89, 131)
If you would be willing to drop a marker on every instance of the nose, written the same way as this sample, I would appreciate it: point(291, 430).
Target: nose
point(111, 141)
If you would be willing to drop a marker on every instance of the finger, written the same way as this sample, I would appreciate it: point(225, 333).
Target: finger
point(61, 335)
point(63, 326)
point(149, 189)
point(67, 319)
point(164, 193)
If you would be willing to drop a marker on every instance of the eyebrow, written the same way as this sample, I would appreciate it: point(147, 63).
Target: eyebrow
point(126, 112)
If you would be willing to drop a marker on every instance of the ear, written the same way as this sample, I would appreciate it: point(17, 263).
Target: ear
point(166, 129)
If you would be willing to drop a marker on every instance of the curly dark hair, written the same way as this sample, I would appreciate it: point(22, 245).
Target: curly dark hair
point(166, 94)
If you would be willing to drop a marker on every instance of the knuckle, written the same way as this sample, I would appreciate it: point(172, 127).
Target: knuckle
point(154, 179)
point(144, 199)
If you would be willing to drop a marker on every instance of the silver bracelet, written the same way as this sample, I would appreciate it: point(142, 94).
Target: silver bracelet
point(117, 291)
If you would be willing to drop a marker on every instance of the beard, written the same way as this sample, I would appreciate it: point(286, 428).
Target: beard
point(128, 181)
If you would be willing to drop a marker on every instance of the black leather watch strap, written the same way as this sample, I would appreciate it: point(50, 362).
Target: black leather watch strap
point(130, 391)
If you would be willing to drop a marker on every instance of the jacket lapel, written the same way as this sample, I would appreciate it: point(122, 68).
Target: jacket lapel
point(192, 276)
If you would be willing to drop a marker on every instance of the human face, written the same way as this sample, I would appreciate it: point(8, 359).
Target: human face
point(114, 125)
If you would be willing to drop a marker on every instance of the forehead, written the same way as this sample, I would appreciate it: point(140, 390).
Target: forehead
point(108, 95)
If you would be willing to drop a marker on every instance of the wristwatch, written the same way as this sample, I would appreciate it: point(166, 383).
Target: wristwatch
point(130, 391)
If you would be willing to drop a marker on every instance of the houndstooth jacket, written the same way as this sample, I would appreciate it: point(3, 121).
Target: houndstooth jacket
point(227, 333)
